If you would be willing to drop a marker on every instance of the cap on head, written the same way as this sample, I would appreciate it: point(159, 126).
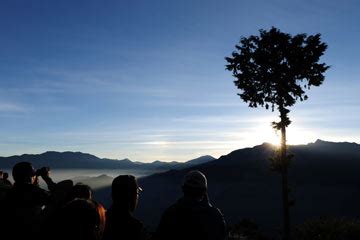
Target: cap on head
point(195, 179)
point(123, 187)
point(23, 172)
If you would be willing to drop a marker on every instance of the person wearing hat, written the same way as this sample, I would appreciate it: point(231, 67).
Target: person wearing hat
point(192, 216)
point(120, 222)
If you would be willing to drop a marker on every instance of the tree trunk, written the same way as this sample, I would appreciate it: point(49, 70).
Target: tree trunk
point(284, 164)
point(285, 185)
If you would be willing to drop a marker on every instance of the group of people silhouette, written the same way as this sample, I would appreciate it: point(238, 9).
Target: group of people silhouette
point(68, 211)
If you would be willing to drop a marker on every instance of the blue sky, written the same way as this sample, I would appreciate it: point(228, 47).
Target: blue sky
point(146, 79)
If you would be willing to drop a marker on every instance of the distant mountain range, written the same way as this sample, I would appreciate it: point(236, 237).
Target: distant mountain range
point(79, 160)
point(324, 178)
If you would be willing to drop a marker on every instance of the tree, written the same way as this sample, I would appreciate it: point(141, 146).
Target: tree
point(272, 70)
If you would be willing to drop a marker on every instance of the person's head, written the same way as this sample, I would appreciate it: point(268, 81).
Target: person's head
point(195, 185)
point(5, 175)
point(82, 219)
point(80, 191)
point(23, 172)
point(125, 192)
point(1, 174)
point(61, 191)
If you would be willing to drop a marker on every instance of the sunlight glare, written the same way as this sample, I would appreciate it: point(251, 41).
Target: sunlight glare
point(265, 133)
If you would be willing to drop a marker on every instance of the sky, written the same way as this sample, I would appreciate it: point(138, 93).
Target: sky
point(146, 80)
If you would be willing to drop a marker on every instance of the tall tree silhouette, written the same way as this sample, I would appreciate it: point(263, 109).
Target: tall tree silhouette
point(273, 70)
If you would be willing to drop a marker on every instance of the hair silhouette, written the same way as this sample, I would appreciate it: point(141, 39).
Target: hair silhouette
point(80, 219)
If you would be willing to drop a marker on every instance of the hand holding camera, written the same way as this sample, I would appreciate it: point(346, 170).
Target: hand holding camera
point(44, 172)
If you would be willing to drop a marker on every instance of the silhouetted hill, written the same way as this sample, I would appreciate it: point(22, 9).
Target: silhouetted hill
point(81, 160)
point(323, 175)
point(197, 161)
point(95, 182)
point(65, 160)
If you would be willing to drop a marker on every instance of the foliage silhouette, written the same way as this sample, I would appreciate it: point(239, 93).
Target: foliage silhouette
point(272, 70)
point(246, 229)
point(328, 228)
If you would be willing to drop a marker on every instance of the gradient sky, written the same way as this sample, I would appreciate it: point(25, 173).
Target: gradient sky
point(146, 80)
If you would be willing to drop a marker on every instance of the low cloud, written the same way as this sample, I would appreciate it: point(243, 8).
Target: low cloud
point(6, 107)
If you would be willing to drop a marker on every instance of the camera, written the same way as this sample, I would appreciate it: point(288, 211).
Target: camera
point(42, 171)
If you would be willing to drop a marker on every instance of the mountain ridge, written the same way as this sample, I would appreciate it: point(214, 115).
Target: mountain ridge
point(69, 159)
point(323, 177)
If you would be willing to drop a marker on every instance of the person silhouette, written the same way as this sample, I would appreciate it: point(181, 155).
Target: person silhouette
point(80, 190)
point(192, 217)
point(79, 219)
point(6, 180)
point(23, 204)
point(120, 223)
point(5, 186)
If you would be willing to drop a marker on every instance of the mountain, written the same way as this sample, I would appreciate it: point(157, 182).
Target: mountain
point(73, 160)
point(197, 161)
point(94, 182)
point(324, 178)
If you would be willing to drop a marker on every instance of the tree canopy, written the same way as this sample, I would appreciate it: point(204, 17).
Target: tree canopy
point(276, 68)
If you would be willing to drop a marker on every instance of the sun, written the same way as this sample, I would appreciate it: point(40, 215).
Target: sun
point(265, 133)
point(295, 135)
point(299, 135)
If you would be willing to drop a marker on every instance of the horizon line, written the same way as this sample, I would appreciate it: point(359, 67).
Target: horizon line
point(126, 158)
